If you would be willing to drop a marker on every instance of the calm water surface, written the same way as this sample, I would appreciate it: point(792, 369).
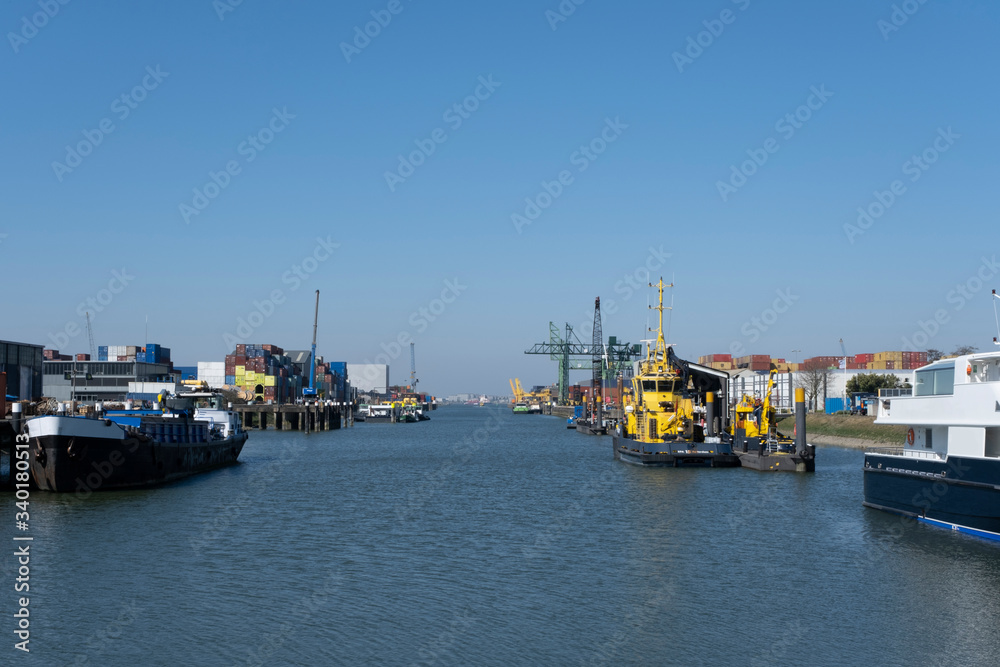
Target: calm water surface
point(485, 538)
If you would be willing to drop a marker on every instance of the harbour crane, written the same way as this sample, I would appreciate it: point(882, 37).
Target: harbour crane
point(567, 350)
point(516, 390)
point(597, 359)
point(413, 370)
point(311, 389)
point(90, 334)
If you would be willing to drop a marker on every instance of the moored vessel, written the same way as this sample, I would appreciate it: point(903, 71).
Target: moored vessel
point(667, 421)
point(134, 448)
point(947, 471)
point(759, 443)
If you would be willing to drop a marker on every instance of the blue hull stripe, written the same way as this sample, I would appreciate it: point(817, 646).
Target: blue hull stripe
point(961, 529)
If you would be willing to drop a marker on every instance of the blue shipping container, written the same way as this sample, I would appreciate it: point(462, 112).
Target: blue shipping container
point(834, 405)
point(230, 379)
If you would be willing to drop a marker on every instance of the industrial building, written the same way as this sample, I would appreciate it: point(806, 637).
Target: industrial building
point(369, 378)
point(104, 381)
point(213, 373)
point(22, 364)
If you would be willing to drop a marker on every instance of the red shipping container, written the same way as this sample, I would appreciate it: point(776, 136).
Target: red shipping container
point(83, 357)
point(241, 349)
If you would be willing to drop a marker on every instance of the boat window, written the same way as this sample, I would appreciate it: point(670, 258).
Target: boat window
point(992, 448)
point(927, 438)
point(935, 381)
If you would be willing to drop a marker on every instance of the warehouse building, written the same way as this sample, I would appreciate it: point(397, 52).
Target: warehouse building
point(369, 378)
point(22, 364)
point(104, 381)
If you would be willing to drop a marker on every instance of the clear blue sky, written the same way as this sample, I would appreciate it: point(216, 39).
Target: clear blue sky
point(323, 175)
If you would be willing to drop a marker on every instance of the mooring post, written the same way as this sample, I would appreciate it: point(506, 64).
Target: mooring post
point(15, 418)
point(710, 413)
point(800, 421)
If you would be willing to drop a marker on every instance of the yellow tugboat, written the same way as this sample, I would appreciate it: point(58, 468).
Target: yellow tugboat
point(670, 413)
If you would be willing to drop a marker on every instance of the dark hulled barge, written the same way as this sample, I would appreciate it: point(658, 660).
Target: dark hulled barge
point(134, 448)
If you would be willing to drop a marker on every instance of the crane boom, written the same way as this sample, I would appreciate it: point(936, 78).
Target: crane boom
point(413, 369)
point(90, 334)
point(311, 391)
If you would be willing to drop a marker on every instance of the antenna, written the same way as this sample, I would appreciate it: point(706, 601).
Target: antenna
point(995, 341)
point(670, 318)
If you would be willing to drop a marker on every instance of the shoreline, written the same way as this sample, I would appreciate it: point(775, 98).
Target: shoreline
point(841, 441)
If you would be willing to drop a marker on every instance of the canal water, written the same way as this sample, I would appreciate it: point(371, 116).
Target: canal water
point(487, 538)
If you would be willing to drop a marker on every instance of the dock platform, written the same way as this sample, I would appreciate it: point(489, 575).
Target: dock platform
point(290, 417)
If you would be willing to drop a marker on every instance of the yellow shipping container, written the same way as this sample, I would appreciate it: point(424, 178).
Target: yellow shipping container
point(241, 370)
point(269, 380)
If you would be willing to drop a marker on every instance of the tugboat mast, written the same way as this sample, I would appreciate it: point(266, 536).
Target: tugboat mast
point(659, 352)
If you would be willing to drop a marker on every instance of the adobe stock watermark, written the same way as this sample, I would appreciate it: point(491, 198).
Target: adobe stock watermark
point(959, 296)
point(293, 621)
point(915, 167)
point(416, 499)
point(420, 319)
point(786, 126)
point(223, 7)
point(363, 36)
point(630, 284)
point(122, 107)
point(103, 640)
point(758, 325)
point(92, 304)
point(562, 12)
point(442, 647)
point(455, 116)
point(295, 277)
point(697, 44)
point(581, 158)
point(899, 17)
point(31, 25)
point(249, 149)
